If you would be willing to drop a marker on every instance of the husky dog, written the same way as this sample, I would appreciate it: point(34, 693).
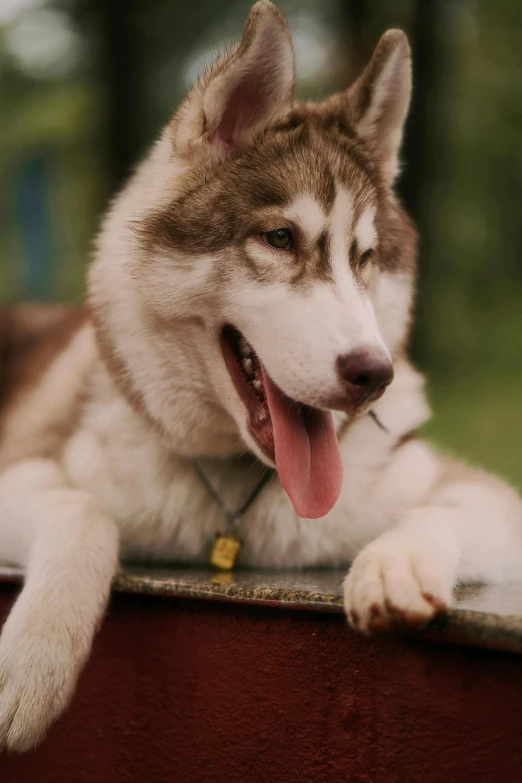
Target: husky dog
point(249, 303)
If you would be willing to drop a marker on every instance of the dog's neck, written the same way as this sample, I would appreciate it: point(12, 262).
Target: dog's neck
point(171, 391)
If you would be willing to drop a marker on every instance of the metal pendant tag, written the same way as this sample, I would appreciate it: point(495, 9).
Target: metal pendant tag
point(225, 551)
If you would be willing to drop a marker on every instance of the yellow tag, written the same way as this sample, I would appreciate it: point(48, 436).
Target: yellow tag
point(223, 578)
point(224, 552)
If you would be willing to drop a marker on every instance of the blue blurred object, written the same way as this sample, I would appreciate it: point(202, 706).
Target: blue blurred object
point(33, 194)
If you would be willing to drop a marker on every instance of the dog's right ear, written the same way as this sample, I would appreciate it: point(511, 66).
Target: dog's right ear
point(243, 90)
point(380, 98)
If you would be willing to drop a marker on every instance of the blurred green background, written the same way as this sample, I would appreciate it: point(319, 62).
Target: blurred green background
point(85, 85)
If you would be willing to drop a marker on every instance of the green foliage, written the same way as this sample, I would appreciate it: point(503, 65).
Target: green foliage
point(478, 419)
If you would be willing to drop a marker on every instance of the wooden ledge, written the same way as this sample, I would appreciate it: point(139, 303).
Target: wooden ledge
point(483, 616)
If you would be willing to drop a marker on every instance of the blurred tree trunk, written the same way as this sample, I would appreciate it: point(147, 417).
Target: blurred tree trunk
point(354, 16)
point(423, 149)
point(120, 65)
point(416, 142)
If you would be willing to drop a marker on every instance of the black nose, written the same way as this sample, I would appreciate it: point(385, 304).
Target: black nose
point(365, 373)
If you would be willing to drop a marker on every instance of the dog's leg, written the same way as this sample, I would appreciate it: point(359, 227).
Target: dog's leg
point(69, 549)
point(469, 530)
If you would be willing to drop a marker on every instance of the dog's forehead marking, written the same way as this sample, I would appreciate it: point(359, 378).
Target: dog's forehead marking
point(306, 211)
point(340, 224)
point(343, 219)
point(365, 232)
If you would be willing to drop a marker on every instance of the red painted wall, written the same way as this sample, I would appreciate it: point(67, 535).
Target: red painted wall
point(183, 690)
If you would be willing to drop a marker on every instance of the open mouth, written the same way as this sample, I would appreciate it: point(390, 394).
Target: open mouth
point(301, 440)
point(245, 370)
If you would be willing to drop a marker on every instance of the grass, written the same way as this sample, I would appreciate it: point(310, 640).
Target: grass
point(479, 419)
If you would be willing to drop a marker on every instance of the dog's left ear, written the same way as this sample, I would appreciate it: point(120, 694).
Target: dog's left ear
point(380, 98)
point(243, 90)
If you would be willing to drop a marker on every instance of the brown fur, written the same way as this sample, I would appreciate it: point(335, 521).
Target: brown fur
point(406, 438)
point(119, 374)
point(268, 85)
point(221, 202)
point(32, 338)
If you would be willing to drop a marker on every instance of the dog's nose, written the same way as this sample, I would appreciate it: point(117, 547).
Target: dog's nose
point(365, 373)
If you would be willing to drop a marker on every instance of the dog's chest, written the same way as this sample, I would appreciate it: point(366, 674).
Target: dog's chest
point(165, 512)
point(154, 497)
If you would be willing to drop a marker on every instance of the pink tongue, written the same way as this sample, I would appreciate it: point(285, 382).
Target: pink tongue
point(307, 455)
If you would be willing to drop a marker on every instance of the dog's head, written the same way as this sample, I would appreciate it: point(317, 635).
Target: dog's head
point(257, 272)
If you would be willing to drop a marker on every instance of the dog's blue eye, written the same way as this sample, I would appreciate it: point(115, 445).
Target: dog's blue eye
point(281, 238)
point(365, 257)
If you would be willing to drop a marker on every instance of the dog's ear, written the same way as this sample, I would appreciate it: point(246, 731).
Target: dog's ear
point(380, 98)
point(244, 88)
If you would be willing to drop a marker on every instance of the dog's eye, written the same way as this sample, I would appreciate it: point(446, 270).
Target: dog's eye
point(365, 257)
point(281, 238)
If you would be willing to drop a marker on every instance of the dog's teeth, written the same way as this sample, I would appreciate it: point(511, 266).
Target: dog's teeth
point(258, 385)
point(247, 364)
point(244, 348)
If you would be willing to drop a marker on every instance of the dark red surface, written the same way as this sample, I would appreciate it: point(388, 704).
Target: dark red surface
point(185, 690)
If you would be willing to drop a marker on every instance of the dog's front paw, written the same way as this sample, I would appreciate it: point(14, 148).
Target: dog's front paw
point(38, 672)
point(393, 582)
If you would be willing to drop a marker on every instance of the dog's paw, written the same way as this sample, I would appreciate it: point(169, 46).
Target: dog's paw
point(38, 673)
point(392, 583)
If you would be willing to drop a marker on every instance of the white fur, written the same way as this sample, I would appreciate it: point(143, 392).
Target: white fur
point(365, 229)
point(414, 522)
point(341, 224)
point(392, 297)
point(69, 548)
point(151, 493)
point(408, 573)
point(309, 214)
